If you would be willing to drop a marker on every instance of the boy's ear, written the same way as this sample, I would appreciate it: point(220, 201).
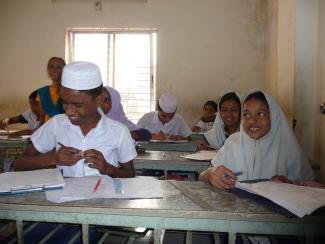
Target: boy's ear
point(99, 100)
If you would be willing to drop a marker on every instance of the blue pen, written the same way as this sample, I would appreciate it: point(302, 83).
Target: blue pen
point(236, 173)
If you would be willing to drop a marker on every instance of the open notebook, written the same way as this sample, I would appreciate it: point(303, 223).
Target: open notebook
point(299, 200)
point(34, 180)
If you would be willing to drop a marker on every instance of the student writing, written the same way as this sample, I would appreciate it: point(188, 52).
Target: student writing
point(30, 117)
point(166, 123)
point(84, 132)
point(264, 147)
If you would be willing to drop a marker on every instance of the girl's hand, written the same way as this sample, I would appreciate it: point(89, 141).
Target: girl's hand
point(281, 179)
point(221, 177)
point(96, 160)
point(67, 156)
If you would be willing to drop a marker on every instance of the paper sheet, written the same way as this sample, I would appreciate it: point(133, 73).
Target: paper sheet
point(83, 188)
point(201, 155)
point(299, 200)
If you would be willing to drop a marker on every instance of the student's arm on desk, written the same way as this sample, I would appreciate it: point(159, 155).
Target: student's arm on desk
point(33, 159)
point(219, 176)
point(96, 160)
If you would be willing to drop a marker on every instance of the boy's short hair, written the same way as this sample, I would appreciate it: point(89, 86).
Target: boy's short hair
point(211, 103)
point(94, 92)
point(33, 95)
point(52, 58)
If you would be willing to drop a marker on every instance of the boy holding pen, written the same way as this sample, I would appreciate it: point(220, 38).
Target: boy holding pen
point(83, 133)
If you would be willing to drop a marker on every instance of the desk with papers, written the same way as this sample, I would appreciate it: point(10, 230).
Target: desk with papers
point(169, 161)
point(185, 205)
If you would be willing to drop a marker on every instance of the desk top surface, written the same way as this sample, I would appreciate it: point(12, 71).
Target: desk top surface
point(181, 199)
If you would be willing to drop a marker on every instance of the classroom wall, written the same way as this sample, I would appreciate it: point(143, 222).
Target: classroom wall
point(320, 124)
point(305, 74)
point(204, 47)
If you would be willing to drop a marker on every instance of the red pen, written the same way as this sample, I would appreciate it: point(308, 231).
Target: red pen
point(97, 185)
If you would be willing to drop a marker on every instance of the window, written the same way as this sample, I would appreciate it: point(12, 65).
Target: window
point(127, 60)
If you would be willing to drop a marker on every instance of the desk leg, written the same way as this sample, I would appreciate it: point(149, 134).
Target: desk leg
point(20, 234)
point(85, 233)
point(158, 236)
point(231, 238)
point(188, 237)
point(165, 174)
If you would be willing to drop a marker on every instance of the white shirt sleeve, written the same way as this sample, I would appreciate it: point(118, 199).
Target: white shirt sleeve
point(44, 138)
point(126, 150)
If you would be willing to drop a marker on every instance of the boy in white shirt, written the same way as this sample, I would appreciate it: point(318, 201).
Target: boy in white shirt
point(81, 135)
point(165, 123)
point(30, 117)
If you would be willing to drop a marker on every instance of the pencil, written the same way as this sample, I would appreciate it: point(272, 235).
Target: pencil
point(97, 185)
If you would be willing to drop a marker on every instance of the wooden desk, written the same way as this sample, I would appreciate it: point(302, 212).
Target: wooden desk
point(176, 147)
point(167, 161)
point(186, 206)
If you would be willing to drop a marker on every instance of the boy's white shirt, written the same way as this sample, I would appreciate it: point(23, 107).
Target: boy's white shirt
point(277, 153)
point(31, 119)
point(110, 137)
point(204, 126)
point(176, 126)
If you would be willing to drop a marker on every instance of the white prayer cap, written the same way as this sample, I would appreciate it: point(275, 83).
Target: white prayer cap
point(168, 103)
point(81, 76)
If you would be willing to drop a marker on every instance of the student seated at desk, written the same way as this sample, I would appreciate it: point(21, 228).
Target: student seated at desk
point(209, 114)
point(113, 109)
point(82, 134)
point(264, 147)
point(165, 123)
point(226, 123)
point(30, 117)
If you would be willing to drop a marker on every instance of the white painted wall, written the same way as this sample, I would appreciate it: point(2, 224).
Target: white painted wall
point(204, 46)
point(305, 74)
point(320, 118)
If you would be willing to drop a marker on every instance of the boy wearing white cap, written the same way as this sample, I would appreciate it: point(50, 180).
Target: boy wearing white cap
point(83, 134)
point(165, 123)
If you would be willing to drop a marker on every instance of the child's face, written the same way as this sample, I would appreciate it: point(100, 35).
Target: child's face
point(230, 113)
point(165, 117)
point(256, 119)
point(107, 104)
point(34, 106)
point(80, 107)
point(54, 69)
point(208, 110)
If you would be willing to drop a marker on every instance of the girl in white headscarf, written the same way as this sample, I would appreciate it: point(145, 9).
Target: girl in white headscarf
point(264, 147)
point(227, 120)
point(112, 108)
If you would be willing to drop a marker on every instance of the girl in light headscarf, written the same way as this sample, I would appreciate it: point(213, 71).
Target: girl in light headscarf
point(227, 121)
point(264, 147)
point(112, 108)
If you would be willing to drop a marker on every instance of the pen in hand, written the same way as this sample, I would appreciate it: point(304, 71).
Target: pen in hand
point(235, 173)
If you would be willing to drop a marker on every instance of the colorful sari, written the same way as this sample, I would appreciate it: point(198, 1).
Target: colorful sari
point(50, 101)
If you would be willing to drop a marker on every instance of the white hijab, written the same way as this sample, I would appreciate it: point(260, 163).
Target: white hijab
point(277, 153)
point(117, 111)
point(216, 136)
